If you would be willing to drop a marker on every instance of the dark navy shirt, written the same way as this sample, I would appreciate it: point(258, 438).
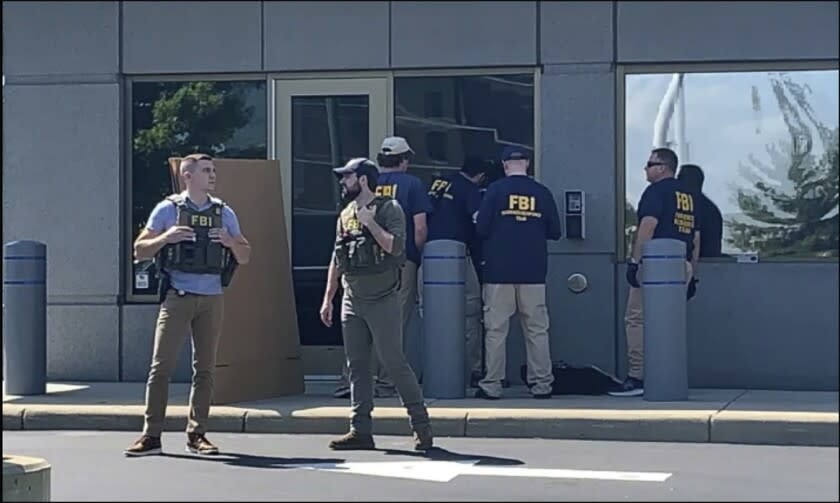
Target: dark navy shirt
point(710, 226)
point(674, 208)
point(517, 217)
point(408, 190)
point(455, 199)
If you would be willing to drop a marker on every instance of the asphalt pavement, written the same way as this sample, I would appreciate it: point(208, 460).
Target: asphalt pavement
point(90, 466)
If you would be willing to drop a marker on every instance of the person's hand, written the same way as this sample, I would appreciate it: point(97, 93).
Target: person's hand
point(692, 288)
point(632, 274)
point(326, 313)
point(365, 215)
point(179, 233)
point(220, 235)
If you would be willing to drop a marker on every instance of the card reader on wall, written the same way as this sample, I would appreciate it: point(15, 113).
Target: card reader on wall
point(575, 214)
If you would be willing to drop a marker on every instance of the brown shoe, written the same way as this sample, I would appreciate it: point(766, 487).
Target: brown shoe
point(423, 439)
point(353, 441)
point(144, 446)
point(197, 443)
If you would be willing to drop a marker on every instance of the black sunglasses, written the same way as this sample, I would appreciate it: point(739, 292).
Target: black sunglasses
point(651, 164)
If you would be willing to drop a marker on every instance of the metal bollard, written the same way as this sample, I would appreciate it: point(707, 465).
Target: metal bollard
point(444, 305)
point(25, 318)
point(663, 272)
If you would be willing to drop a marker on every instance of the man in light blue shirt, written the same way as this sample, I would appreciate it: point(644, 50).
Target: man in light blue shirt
point(196, 239)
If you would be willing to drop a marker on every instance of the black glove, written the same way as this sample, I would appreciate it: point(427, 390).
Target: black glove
point(692, 288)
point(632, 273)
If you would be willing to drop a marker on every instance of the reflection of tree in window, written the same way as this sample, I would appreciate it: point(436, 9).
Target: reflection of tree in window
point(797, 217)
point(179, 118)
point(172, 119)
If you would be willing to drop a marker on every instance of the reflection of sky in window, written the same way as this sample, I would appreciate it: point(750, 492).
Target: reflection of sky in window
point(722, 128)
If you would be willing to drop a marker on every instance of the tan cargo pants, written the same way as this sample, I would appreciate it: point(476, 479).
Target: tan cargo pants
point(178, 316)
point(500, 303)
point(634, 327)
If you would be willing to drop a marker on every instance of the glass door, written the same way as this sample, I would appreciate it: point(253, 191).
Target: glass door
point(321, 124)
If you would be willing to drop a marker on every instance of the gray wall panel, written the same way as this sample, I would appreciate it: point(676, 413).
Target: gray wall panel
point(325, 35)
point(441, 34)
point(187, 37)
point(42, 38)
point(726, 31)
point(576, 32)
point(581, 329)
point(771, 326)
point(138, 336)
point(578, 148)
point(61, 182)
point(82, 343)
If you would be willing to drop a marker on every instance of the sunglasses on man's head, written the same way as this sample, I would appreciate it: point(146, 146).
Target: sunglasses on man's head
point(651, 164)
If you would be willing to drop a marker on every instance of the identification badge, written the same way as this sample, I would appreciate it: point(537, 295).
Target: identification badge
point(141, 280)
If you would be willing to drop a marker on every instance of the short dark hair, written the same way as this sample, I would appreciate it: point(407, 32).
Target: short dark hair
point(668, 156)
point(368, 169)
point(691, 176)
point(392, 161)
point(473, 165)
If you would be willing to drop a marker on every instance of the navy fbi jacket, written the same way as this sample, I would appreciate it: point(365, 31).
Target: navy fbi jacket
point(516, 218)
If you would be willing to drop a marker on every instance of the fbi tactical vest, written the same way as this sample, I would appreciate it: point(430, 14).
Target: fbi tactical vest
point(356, 250)
point(201, 256)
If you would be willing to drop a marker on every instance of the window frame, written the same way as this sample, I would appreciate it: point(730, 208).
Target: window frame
point(127, 272)
point(623, 70)
point(127, 239)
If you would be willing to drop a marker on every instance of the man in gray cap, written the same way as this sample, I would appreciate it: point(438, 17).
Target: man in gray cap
point(369, 251)
point(411, 193)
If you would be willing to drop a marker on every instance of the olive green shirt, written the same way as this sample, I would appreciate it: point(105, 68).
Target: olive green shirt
point(382, 280)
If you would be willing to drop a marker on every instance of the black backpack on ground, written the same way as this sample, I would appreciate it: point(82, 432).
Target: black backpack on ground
point(577, 380)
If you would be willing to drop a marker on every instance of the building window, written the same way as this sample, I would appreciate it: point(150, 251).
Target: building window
point(448, 118)
point(170, 119)
point(767, 143)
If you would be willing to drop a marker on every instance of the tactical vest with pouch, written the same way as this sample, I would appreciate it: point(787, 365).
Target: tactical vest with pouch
point(201, 256)
point(356, 250)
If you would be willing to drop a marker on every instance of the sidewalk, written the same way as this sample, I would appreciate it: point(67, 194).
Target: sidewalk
point(710, 415)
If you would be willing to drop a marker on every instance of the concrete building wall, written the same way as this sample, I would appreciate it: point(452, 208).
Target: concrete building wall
point(64, 67)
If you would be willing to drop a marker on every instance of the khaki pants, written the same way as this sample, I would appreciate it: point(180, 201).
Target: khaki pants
point(371, 327)
point(500, 303)
point(179, 314)
point(634, 328)
point(407, 298)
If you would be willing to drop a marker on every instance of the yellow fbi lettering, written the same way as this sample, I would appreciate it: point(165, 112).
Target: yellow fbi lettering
point(684, 202)
point(684, 218)
point(387, 190)
point(522, 207)
point(201, 221)
point(439, 185)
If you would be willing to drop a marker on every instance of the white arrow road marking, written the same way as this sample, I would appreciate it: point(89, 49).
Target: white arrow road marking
point(445, 471)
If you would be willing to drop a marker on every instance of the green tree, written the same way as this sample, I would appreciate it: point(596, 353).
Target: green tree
point(182, 118)
point(797, 215)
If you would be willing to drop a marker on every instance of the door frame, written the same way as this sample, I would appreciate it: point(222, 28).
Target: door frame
point(318, 361)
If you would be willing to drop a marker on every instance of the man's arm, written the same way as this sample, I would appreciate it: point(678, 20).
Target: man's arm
point(391, 237)
point(332, 281)
point(553, 230)
point(148, 244)
point(646, 229)
point(421, 230)
point(241, 249)
point(486, 214)
point(695, 253)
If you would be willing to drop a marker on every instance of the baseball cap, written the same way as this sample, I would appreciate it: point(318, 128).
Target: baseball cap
point(513, 152)
point(394, 145)
point(358, 165)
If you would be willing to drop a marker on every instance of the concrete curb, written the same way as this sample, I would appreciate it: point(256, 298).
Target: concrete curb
point(782, 428)
point(700, 426)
